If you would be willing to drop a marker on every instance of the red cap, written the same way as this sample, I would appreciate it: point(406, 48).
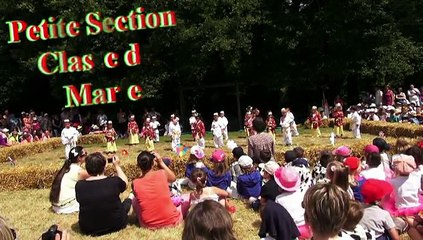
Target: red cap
point(352, 163)
point(374, 190)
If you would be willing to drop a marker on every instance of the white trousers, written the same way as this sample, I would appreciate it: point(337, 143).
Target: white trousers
point(218, 141)
point(356, 131)
point(201, 142)
point(68, 147)
point(175, 143)
point(225, 134)
point(287, 135)
point(157, 136)
point(294, 129)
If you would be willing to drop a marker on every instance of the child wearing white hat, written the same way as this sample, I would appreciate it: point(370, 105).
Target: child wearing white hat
point(217, 129)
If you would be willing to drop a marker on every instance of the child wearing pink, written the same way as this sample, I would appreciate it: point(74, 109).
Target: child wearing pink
point(406, 184)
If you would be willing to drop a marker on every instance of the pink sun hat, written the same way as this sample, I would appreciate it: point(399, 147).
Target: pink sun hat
point(342, 151)
point(371, 149)
point(287, 178)
point(197, 152)
point(218, 155)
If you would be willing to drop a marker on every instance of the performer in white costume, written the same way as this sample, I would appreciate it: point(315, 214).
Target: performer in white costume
point(285, 123)
point(224, 122)
point(69, 137)
point(192, 122)
point(175, 132)
point(155, 125)
point(217, 130)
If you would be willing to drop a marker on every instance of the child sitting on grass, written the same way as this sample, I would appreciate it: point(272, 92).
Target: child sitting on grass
point(354, 178)
point(194, 161)
point(219, 176)
point(248, 184)
point(319, 171)
point(375, 218)
point(352, 227)
point(202, 193)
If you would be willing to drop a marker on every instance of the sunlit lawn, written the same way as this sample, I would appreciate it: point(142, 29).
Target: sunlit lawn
point(29, 211)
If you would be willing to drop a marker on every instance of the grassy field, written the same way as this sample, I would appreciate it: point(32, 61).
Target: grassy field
point(29, 211)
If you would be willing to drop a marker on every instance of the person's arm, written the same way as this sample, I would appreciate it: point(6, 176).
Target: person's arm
point(220, 192)
point(83, 174)
point(169, 173)
point(250, 148)
point(394, 234)
point(119, 171)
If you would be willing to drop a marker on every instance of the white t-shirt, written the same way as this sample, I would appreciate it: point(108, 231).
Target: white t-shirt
point(374, 173)
point(216, 128)
point(407, 190)
point(67, 186)
point(223, 122)
point(376, 219)
point(155, 125)
point(291, 201)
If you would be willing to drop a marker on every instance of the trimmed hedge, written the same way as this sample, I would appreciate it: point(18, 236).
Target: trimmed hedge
point(395, 130)
point(23, 150)
point(36, 177)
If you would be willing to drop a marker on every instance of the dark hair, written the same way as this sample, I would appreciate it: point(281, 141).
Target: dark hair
point(325, 158)
point(373, 159)
point(74, 155)
point(199, 178)
point(355, 214)
point(381, 144)
point(417, 153)
point(265, 155)
point(145, 161)
point(208, 220)
point(290, 156)
point(95, 164)
point(259, 125)
point(299, 151)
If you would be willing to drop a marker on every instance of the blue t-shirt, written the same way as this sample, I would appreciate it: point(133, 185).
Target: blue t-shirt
point(223, 181)
point(357, 189)
point(249, 185)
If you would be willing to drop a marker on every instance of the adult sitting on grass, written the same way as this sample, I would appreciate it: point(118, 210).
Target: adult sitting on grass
point(152, 202)
point(62, 194)
point(101, 211)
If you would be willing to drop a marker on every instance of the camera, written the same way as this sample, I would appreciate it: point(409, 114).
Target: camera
point(110, 160)
point(50, 234)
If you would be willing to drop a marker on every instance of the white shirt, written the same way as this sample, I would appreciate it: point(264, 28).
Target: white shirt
point(192, 121)
point(223, 121)
point(216, 128)
point(374, 173)
point(291, 201)
point(69, 135)
point(407, 190)
point(174, 129)
point(356, 118)
point(374, 118)
point(67, 186)
point(155, 125)
point(286, 120)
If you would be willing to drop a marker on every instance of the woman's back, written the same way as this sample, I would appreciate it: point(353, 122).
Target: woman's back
point(101, 210)
point(153, 202)
point(67, 186)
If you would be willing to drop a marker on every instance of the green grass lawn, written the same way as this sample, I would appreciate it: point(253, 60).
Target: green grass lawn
point(29, 211)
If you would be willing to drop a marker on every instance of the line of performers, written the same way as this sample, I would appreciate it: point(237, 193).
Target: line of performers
point(286, 121)
point(219, 129)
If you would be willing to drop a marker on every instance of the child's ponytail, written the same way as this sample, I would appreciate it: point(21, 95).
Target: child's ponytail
point(199, 177)
point(338, 174)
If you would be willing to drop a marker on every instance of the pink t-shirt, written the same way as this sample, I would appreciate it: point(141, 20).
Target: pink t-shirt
point(153, 202)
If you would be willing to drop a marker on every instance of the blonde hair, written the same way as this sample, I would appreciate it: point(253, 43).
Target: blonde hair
point(401, 146)
point(326, 208)
point(5, 232)
point(338, 174)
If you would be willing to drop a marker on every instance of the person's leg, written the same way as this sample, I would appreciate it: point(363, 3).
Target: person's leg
point(342, 130)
